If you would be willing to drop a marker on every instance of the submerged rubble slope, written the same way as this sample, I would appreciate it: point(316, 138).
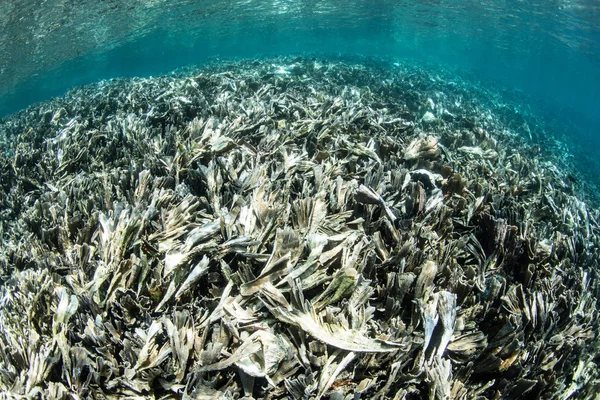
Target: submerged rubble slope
point(292, 228)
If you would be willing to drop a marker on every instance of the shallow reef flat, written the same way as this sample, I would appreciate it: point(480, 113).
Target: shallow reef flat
point(293, 228)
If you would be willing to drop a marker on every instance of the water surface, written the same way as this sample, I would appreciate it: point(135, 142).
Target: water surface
point(549, 50)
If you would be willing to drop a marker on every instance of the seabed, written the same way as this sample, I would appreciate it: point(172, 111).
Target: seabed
point(293, 228)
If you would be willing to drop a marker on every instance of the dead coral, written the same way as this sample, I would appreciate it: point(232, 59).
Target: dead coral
point(263, 229)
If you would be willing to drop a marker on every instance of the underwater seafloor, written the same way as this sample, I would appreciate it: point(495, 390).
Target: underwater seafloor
point(293, 228)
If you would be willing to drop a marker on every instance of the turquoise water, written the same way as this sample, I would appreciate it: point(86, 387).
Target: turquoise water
point(549, 50)
point(423, 178)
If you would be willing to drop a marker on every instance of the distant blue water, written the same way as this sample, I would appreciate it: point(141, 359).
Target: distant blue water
point(549, 50)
